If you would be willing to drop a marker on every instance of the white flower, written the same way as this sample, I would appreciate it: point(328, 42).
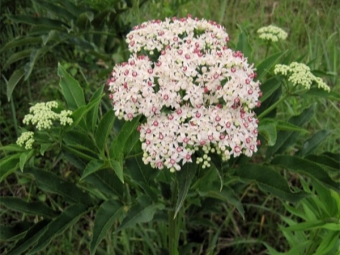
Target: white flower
point(272, 33)
point(42, 116)
point(26, 139)
point(195, 92)
point(300, 74)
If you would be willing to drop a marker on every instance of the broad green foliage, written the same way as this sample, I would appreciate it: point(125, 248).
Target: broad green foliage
point(92, 170)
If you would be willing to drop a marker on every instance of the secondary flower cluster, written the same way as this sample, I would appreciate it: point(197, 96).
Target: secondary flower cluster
point(272, 33)
point(300, 74)
point(194, 91)
point(42, 117)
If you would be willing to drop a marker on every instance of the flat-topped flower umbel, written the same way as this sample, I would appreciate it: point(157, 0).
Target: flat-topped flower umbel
point(194, 91)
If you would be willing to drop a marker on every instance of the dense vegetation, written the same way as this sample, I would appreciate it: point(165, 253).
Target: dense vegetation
point(87, 38)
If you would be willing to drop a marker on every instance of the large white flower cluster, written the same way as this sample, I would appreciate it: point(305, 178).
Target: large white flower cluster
point(194, 91)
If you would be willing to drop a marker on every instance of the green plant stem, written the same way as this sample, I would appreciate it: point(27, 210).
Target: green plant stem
point(14, 117)
point(173, 222)
point(267, 49)
point(273, 106)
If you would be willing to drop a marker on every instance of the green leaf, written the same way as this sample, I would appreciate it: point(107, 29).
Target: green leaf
point(243, 44)
point(143, 211)
point(117, 166)
point(268, 130)
point(17, 56)
point(269, 87)
point(84, 20)
point(106, 181)
point(79, 113)
point(324, 161)
point(70, 89)
point(269, 180)
point(24, 157)
point(226, 194)
point(32, 208)
point(56, 9)
point(12, 148)
point(65, 220)
point(108, 212)
point(332, 95)
point(268, 63)
point(13, 81)
point(14, 232)
point(286, 139)
point(35, 55)
point(312, 143)
point(104, 129)
point(21, 42)
point(282, 125)
point(118, 144)
point(308, 168)
point(328, 243)
point(50, 182)
point(92, 115)
point(31, 237)
point(92, 167)
point(140, 172)
point(184, 178)
point(39, 21)
point(8, 165)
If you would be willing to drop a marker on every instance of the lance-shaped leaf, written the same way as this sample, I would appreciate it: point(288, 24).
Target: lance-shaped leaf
point(107, 182)
point(8, 165)
point(57, 9)
point(14, 232)
point(325, 161)
point(118, 144)
point(227, 195)
point(33, 208)
point(65, 220)
point(40, 21)
point(92, 167)
point(184, 178)
point(50, 182)
point(312, 143)
point(13, 81)
point(109, 212)
point(269, 87)
point(17, 56)
point(332, 95)
point(117, 166)
point(268, 130)
point(269, 180)
point(31, 237)
point(21, 42)
point(143, 211)
point(92, 115)
point(287, 138)
point(308, 168)
point(70, 89)
point(268, 63)
point(104, 129)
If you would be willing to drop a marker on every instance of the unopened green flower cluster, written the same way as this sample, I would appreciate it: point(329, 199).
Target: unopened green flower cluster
point(272, 33)
point(42, 117)
point(300, 74)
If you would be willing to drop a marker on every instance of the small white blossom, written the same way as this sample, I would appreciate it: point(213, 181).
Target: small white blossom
point(42, 116)
point(300, 74)
point(194, 91)
point(26, 139)
point(272, 33)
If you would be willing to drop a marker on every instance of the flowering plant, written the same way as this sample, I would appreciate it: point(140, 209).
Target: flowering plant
point(183, 101)
point(194, 91)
